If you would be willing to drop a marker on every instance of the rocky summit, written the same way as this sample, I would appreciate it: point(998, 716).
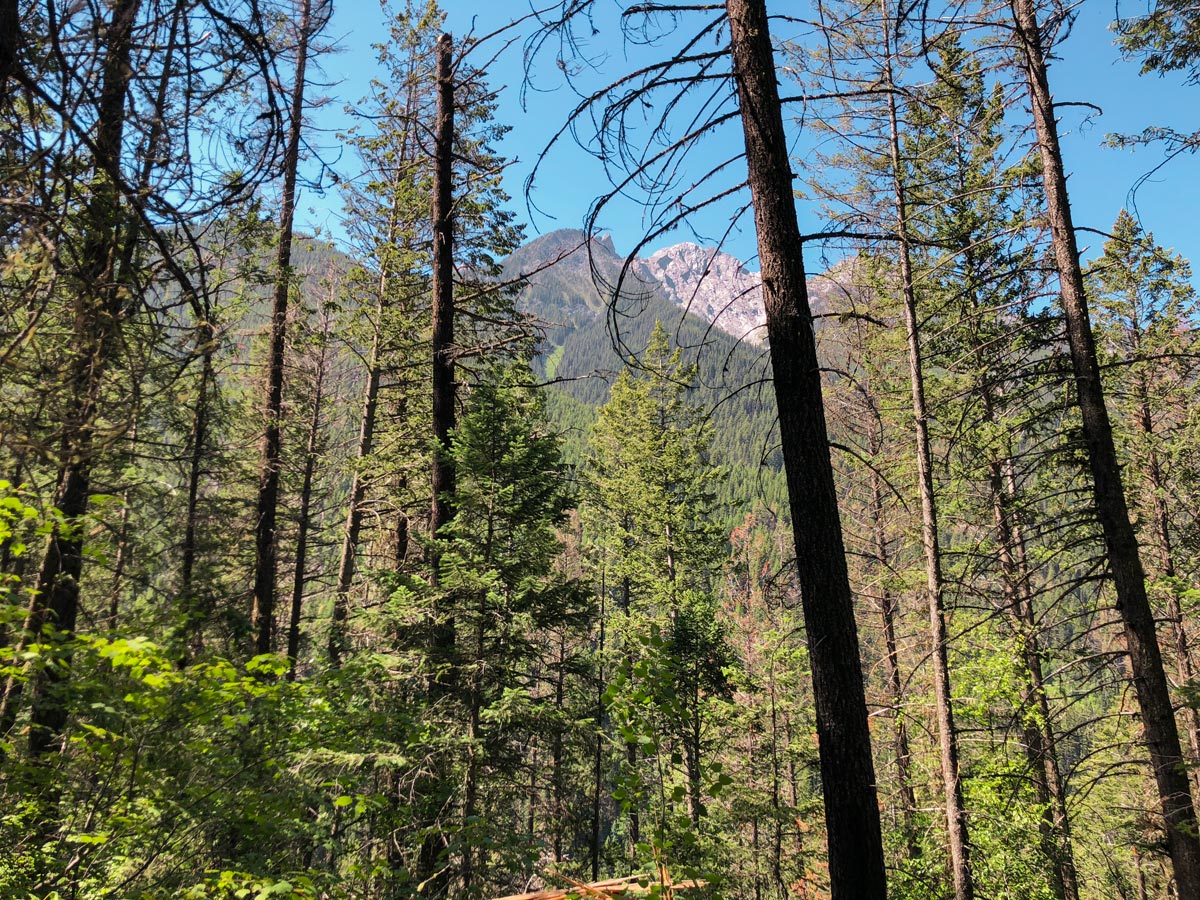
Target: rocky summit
point(713, 285)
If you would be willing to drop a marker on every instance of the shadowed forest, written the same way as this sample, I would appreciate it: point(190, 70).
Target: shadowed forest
point(436, 559)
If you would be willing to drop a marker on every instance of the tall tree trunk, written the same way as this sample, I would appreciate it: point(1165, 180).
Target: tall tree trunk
point(531, 808)
point(631, 755)
point(304, 517)
point(1150, 682)
point(856, 864)
point(691, 759)
point(403, 529)
point(1162, 534)
point(888, 610)
point(99, 312)
point(598, 749)
point(556, 783)
point(1040, 743)
point(776, 793)
point(193, 615)
point(442, 468)
point(954, 804)
point(755, 819)
point(338, 639)
point(262, 615)
point(127, 254)
point(891, 664)
point(475, 750)
point(366, 432)
point(442, 641)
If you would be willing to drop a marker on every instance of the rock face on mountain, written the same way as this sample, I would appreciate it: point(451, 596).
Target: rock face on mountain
point(712, 285)
point(705, 282)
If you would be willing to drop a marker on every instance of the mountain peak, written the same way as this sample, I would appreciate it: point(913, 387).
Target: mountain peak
point(714, 285)
point(703, 281)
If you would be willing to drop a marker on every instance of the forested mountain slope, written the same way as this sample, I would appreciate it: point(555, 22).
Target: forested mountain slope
point(588, 341)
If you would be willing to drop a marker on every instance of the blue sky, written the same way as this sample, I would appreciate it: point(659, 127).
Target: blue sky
point(1090, 70)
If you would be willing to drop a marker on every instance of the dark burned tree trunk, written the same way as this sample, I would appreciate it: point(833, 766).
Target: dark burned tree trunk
point(262, 616)
point(1145, 656)
point(442, 638)
point(856, 866)
point(442, 469)
point(10, 44)
point(443, 291)
point(99, 312)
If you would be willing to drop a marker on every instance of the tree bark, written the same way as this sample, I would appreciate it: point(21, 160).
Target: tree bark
point(559, 807)
point(193, 624)
point(98, 314)
point(10, 45)
point(1154, 481)
point(442, 468)
point(598, 749)
point(442, 638)
point(1154, 699)
point(856, 863)
point(262, 615)
point(303, 520)
point(891, 663)
point(1040, 743)
point(443, 291)
point(953, 802)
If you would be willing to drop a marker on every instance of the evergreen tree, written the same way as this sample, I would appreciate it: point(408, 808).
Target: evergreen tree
point(649, 521)
point(1165, 39)
point(651, 482)
point(1146, 317)
point(499, 585)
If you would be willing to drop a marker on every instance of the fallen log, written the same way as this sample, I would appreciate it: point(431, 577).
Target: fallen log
point(629, 886)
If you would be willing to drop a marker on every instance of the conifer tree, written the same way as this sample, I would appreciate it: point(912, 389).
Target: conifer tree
point(498, 583)
point(1166, 39)
point(651, 520)
point(1146, 314)
point(1112, 509)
